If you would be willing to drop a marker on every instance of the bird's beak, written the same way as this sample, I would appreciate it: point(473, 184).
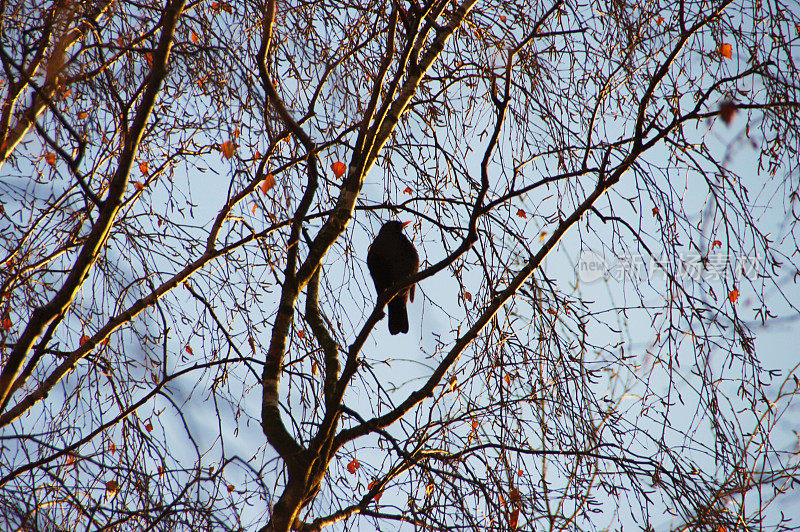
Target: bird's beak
point(405, 224)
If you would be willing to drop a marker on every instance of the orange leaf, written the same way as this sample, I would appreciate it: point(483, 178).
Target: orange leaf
point(194, 37)
point(513, 518)
point(507, 378)
point(255, 206)
point(70, 459)
point(227, 149)
point(144, 167)
point(112, 447)
point(725, 50)
point(268, 183)
point(189, 350)
point(429, 489)
point(716, 243)
point(502, 18)
point(660, 20)
point(301, 334)
point(314, 367)
point(230, 488)
point(475, 424)
point(160, 471)
point(353, 465)
point(138, 185)
point(542, 236)
point(149, 58)
point(338, 168)
point(655, 211)
point(467, 296)
point(727, 110)
point(521, 213)
point(721, 528)
point(407, 191)
point(82, 115)
point(50, 158)
point(733, 295)
point(6, 323)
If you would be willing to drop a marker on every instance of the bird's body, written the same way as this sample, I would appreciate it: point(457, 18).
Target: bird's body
point(392, 257)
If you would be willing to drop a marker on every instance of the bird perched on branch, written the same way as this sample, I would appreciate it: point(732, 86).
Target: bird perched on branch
point(392, 257)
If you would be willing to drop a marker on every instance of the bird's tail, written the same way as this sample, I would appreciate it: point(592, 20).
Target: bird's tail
point(398, 316)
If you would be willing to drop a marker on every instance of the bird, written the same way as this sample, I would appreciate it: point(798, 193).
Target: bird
point(392, 257)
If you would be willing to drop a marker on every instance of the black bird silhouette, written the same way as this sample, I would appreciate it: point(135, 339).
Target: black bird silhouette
point(392, 257)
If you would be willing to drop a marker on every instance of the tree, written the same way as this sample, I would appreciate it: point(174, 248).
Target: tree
point(188, 332)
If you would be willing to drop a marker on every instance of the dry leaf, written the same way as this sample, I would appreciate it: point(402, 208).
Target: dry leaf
point(521, 213)
point(338, 168)
point(733, 295)
point(112, 487)
point(269, 182)
point(725, 50)
point(353, 465)
point(50, 158)
point(227, 148)
point(144, 167)
point(727, 110)
point(194, 37)
point(138, 185)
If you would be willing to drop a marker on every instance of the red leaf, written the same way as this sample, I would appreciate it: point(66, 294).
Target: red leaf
point(6, 324)
point(83, 340)
point(725, 50)
point(660, 20)
point(378, 495)
point(407, 191)
point(521, 213)
point(50, 158)
point(194, 37)
point(144, 167)
point(716, 243)
point(189, 350)
point(230, 488)
point(149, 427)
point(467, 296)
point(301, 334)
point(338, 168)
point(353, 465)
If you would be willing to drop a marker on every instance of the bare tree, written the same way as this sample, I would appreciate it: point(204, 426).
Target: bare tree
point(189, 333)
